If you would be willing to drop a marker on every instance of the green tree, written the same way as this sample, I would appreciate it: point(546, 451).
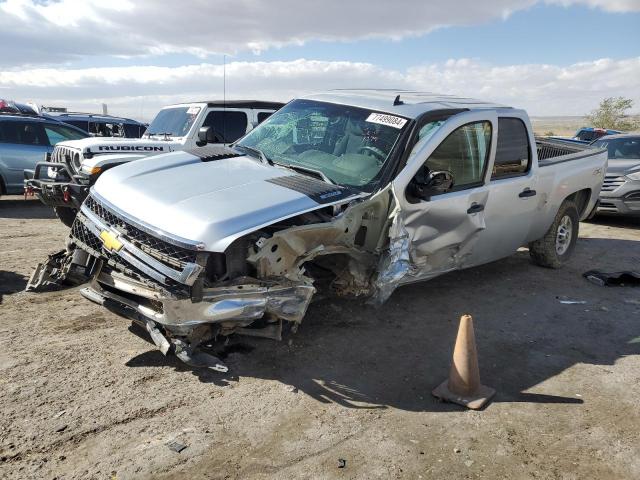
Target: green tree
point(612, 114)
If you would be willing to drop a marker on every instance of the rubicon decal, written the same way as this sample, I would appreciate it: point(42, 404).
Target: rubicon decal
point(130, 148)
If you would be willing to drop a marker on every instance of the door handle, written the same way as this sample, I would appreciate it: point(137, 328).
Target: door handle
point(475, 208)
point(527, 193)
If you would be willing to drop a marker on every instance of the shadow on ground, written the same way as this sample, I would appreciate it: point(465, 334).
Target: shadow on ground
point(616, 221)
point(361, 357)
point(11, 282)
point(13, 207)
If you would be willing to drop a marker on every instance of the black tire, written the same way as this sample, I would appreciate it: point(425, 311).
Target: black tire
point(556, 247)
point(66, 215)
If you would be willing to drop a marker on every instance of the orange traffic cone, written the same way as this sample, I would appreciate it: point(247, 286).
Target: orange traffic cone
point(463, 385)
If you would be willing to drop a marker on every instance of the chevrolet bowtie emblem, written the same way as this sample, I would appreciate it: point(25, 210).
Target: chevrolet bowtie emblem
point(110, 241)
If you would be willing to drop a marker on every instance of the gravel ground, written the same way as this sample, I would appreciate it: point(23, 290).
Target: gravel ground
point(84, 395)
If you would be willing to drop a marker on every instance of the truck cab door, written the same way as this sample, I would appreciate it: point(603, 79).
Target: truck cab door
point(443, 227)
point(513, 197)
point(230, 123)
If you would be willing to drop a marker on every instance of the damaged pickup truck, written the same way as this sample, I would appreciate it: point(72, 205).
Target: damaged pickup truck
point(350, 192)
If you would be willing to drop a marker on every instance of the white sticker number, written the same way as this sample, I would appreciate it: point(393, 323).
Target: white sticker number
point(389, 120)
point(193, 110)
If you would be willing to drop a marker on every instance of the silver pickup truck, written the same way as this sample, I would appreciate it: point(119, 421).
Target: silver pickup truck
point(350, 192)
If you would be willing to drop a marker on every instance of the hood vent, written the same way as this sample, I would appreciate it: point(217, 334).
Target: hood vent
point(317, 190)
point(211, 153)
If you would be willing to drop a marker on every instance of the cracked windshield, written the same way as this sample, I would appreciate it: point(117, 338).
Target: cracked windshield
point(342, 144)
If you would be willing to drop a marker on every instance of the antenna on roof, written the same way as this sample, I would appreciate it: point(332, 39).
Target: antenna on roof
point(397, 101)
point(224, 99)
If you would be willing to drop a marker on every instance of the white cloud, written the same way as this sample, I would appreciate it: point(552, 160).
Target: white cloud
point(66, 30)
point(140, 91)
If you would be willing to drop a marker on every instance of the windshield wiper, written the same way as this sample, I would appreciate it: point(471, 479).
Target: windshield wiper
point(157, 134)
point(258, 152)
point(312, 171)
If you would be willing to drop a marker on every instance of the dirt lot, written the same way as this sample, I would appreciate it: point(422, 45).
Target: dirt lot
point(83, 397)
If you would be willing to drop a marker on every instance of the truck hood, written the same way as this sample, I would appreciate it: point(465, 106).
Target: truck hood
point(212, 203)
point(101, 151)
point(102, 145)
point(623, 166)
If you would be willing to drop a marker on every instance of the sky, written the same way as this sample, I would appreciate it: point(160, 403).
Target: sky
point(551, 57)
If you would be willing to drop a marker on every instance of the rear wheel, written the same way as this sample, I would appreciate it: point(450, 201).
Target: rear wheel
point(556, 247)
point(66, 215)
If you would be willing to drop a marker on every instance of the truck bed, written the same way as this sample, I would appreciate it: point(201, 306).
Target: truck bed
point(551, 152)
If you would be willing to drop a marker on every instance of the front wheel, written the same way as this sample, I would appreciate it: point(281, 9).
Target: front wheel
point(66, 215)
point(556, 247)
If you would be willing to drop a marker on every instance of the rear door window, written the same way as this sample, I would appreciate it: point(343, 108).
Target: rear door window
point(513, 152)
point(60, 133)
point(24, 133)
point(132, 130)
point(80, 124)
point(262, 116)
point(231, 125)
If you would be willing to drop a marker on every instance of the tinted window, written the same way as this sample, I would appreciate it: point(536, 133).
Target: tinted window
point(60, 133)
point(429, 129)
point(464, 153)
point(80, 124)
point(262, 116)
point(231, 125)
point(513, 155)
point(23, 133)
point(133, 131)
point(102, 129)
point(624, 148)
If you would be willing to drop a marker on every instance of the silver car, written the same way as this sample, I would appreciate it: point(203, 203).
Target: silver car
point(620, 194)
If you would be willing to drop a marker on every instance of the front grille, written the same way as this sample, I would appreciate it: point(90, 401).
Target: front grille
point(163, 251)
point(85, 236)
point(86, 240)
point(69, 156)
point(611, 182)
point(607, 205)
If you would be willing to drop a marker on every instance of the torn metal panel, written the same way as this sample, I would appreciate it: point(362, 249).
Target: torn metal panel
point(426, 242)
point(64, 268)
point(395, 264)
point(247, 300)
point(354, 233)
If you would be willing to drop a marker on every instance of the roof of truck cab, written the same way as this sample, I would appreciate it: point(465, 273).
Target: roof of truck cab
point(243, 104)
point(414, 103)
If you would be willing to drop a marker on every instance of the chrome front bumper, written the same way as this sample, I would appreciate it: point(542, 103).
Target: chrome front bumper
point(231, 306)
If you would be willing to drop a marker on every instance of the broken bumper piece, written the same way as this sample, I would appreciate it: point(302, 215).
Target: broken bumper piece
point(182, 325)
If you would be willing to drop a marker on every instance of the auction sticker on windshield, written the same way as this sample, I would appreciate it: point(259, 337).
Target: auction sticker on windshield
point(193, 110)
point(385, 119)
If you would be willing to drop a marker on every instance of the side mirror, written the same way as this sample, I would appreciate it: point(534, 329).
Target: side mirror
point(208, 135)
point(428, 183)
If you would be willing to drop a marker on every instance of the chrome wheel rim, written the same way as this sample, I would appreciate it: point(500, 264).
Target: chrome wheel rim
point(563, 235)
